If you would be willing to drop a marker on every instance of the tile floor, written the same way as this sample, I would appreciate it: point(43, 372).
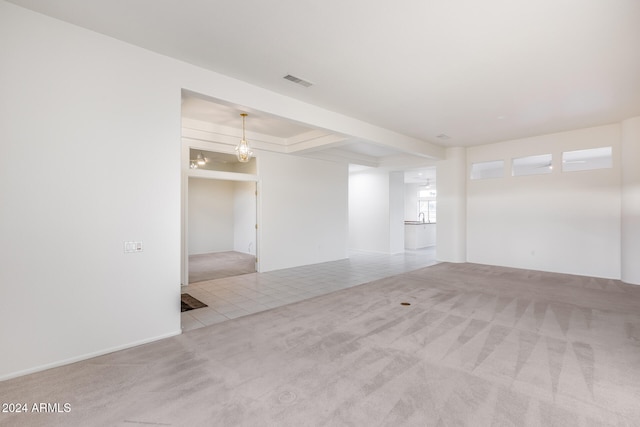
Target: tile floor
point(237, 296)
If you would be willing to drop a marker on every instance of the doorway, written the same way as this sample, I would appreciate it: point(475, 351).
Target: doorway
point(220, 216)
point(221, 223)
point(420, 210)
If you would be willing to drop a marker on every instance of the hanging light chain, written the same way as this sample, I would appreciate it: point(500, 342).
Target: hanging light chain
point(243, 116)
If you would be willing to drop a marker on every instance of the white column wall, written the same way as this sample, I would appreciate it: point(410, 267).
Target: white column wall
point(369, 211)
point(376, 211)
point(396, 212)
point(452, 208)
point(630, 148)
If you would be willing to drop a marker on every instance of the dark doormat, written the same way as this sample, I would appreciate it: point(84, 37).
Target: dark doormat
point(187, 302)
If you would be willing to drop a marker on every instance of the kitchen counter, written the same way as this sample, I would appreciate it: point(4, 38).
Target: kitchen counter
point(418, 234)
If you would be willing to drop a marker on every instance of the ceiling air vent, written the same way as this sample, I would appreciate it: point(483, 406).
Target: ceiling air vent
point(443, 137)
point(298, 80)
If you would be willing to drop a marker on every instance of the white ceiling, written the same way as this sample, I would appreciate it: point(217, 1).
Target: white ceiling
point(477, 71)
point(212, 120)
point(426, 176)
point(199, 108)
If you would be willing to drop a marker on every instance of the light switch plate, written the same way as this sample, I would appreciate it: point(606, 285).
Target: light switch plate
point(131, 247)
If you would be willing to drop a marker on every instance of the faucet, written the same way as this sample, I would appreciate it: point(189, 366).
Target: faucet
point(421, 213)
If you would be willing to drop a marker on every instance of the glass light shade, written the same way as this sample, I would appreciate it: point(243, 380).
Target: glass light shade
point(201, 160)
point(243, 151)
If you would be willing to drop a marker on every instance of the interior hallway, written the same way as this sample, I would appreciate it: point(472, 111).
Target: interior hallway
point(233, 297)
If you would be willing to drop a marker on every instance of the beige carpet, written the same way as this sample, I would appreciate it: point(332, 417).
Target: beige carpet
point(478, 346)
point(219, 265)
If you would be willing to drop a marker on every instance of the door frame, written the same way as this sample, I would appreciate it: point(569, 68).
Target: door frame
point(187, 173)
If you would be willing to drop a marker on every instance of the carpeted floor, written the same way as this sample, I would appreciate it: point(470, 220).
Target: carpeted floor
point(219, 265)
point(477, 346)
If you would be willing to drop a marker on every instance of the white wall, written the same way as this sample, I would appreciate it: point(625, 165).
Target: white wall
point(69, 95)
point(211, 215)
point(244, 214)
point(376, 211)
point(411, 201)
point(396, 212)
point(90, 152)
point(630, 154)
point(560, 222)
point(369, 211)
point(303, 211)
point(451, 227)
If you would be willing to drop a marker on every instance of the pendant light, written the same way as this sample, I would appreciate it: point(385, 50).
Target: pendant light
point(243, 151)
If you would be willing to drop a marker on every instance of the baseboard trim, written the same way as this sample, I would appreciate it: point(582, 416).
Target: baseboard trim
point(86, 356)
